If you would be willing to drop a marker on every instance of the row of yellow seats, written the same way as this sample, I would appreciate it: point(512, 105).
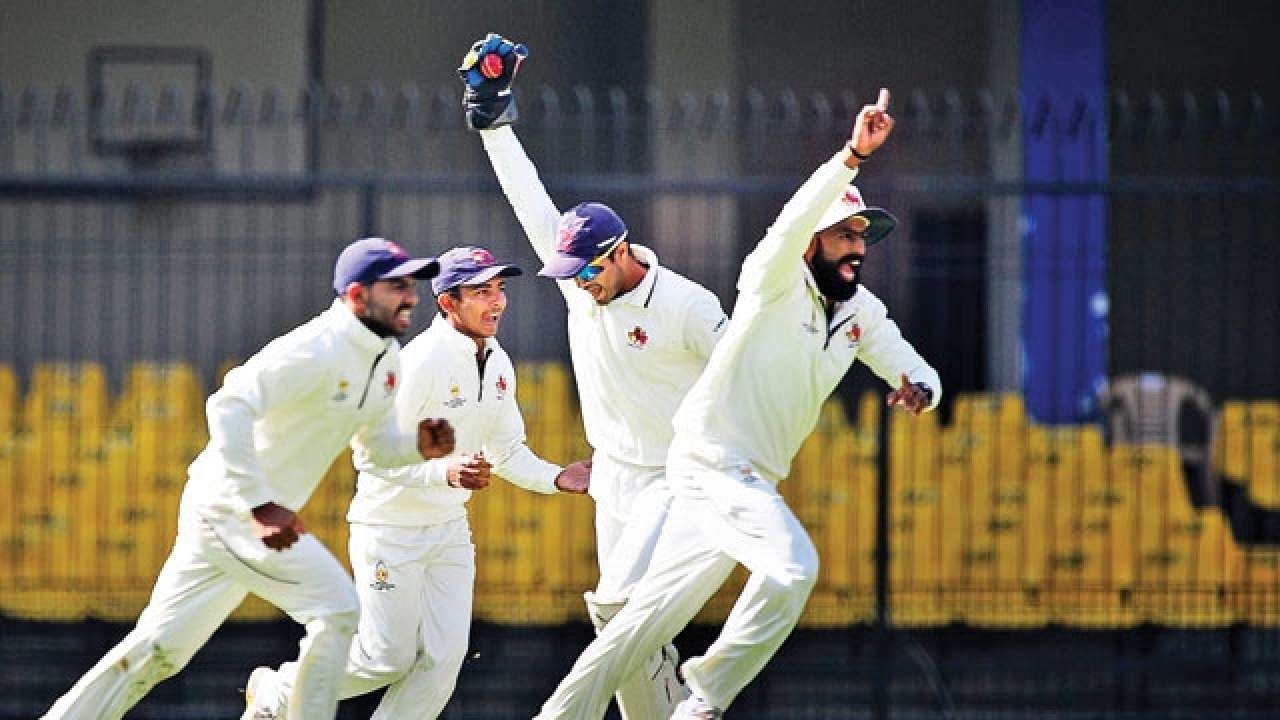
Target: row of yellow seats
point(541, 549)
point(1247, 450)
point(78, 394)
point(1064, 531)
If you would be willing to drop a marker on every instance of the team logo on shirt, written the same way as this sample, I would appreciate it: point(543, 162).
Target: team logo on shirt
point(748, 473)
point(341, 395)
point(637, 338)
point(455, 395)
point(854, 333)
point(501, 384)
point(381, 578)
point(390, 384)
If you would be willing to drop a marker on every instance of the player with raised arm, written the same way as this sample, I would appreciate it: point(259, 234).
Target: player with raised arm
point(639, 335)
point(411, 545)
point(800, 321)
point(275, 426)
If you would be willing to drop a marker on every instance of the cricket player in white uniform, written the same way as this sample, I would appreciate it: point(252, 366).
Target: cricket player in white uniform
point(411, 545)
point(800, 321)
point(275, 426)
point(639, 335)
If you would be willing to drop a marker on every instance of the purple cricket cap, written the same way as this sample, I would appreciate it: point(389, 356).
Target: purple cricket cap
point(585, 232)
point(469, 265)
point(374, 258)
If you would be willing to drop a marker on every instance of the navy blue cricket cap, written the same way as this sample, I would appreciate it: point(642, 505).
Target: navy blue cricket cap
point(370, 259)
point(585, 232)
point(469, 265)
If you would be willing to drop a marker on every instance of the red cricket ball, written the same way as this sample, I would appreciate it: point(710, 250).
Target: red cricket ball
point(491, 66)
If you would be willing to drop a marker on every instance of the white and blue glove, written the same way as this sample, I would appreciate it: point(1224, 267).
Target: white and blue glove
point(488, 70)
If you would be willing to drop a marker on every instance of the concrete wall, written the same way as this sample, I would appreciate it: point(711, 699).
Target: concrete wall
point(48, 41)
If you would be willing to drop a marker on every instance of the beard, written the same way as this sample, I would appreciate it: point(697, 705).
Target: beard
point(381, 328)
point(827, 275)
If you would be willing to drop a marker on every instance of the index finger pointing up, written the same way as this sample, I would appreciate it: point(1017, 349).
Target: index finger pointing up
point(882, 102)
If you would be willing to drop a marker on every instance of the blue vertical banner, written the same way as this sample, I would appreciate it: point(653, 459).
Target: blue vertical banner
point(1064, 269)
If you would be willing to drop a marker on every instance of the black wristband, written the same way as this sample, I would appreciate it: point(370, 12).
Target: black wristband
point(860, 156)
point(928, 392)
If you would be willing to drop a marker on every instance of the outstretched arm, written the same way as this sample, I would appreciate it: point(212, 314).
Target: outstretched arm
point(775, 263)
point(487, 71)
point(519, 179)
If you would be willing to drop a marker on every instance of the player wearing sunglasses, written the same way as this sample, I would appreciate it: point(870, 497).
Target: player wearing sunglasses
point(639, 336)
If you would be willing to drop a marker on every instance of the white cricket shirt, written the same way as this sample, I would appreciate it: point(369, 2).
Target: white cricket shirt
point(634, 358)
point(781, 358)
point(443, 378)
point(279, 420)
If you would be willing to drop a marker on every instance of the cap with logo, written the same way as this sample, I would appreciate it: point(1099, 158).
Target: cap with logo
point(373, 258)
point(469, 265)
point(876, 222)
point(585, 232)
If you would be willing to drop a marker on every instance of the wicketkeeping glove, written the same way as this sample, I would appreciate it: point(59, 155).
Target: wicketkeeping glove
point(487, 70)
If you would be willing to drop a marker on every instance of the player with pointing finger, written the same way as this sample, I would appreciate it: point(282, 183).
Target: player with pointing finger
point(800, 321)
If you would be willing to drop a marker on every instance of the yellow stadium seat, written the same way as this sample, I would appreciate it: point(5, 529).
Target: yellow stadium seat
point(73, 393)
point(1090, 564)
point(1002, 410)
point(916, 543)
point(160, 392)
point(1263, 483)
point(870, 406)
point(832, 490)
point(1230, 452)
point(8, 400)
point(546, 399)
point(1182, 572)
point(1257, 600)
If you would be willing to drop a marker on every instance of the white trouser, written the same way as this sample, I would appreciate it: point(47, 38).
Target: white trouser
point(631, 506)
point(415, 586)
point(722, 515)
point(214, 564)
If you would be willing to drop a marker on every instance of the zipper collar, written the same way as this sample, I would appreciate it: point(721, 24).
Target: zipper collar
point(641, 294)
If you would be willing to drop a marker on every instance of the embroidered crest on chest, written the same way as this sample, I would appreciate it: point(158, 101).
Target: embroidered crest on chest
point(455, 395)
point(637, 338)
point(854, 333)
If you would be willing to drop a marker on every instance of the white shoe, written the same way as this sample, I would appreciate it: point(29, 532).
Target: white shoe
point(695, 708)
point(261, 686)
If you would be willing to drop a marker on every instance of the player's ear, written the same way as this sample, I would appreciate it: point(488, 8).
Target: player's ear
point(445, 302)
point(356, 295)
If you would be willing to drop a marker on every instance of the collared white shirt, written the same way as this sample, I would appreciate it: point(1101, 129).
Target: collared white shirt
point(444, 378)
point(280, 419)
point(781, 357)
point(633, 358)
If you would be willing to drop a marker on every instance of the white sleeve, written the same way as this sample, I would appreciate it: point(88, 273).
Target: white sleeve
point(775, 264)
point(512, 459)
point(519, 179)
point(704, 324)
point(889, 355)
point(248, 393)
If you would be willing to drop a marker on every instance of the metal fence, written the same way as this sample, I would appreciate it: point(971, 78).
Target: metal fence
point(983, 561)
